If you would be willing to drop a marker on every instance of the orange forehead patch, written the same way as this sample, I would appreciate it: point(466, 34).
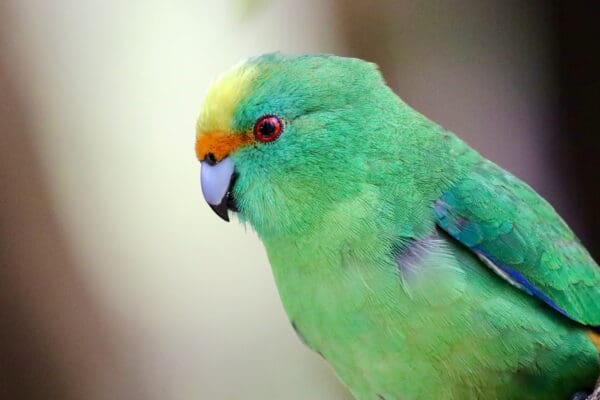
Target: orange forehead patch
point(220, 144)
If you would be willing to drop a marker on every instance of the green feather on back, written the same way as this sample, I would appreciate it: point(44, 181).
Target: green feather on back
point(504, 221)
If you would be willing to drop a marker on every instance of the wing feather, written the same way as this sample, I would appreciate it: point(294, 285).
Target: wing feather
point(519, 235)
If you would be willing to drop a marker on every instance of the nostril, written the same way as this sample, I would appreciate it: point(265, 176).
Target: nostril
point(210, 158)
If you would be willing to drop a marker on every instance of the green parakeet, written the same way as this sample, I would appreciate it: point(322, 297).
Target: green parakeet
point(414, 266)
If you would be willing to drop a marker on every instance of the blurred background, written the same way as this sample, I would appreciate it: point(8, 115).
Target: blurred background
point(116, 279)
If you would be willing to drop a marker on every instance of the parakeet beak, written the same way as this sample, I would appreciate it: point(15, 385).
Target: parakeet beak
point(217, 180)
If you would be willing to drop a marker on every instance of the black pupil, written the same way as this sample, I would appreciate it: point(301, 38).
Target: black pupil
point(267, 127)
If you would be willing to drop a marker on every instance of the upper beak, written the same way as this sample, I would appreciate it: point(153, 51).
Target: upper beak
point(217, 182)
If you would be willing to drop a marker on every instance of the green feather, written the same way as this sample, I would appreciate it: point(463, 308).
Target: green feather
point(520, 230)
point(344, 203)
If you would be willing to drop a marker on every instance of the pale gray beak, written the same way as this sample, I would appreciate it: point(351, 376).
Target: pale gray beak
point(217, 181)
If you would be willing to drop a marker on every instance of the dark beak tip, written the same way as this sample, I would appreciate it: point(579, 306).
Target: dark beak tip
point(221, 210)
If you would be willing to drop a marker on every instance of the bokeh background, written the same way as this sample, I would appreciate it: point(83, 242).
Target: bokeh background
point(118, 282)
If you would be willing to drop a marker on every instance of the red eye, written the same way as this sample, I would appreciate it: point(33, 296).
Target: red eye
point(268, 128)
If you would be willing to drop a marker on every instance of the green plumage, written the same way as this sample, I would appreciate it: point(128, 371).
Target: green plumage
point(376, 222)
point(504, 218)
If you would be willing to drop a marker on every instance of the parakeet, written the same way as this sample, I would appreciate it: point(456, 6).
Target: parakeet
point(414, 266)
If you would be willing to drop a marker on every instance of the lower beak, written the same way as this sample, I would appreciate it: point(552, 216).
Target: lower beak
point(217, 182)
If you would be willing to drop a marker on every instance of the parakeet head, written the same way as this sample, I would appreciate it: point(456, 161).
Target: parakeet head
point(283, 140)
